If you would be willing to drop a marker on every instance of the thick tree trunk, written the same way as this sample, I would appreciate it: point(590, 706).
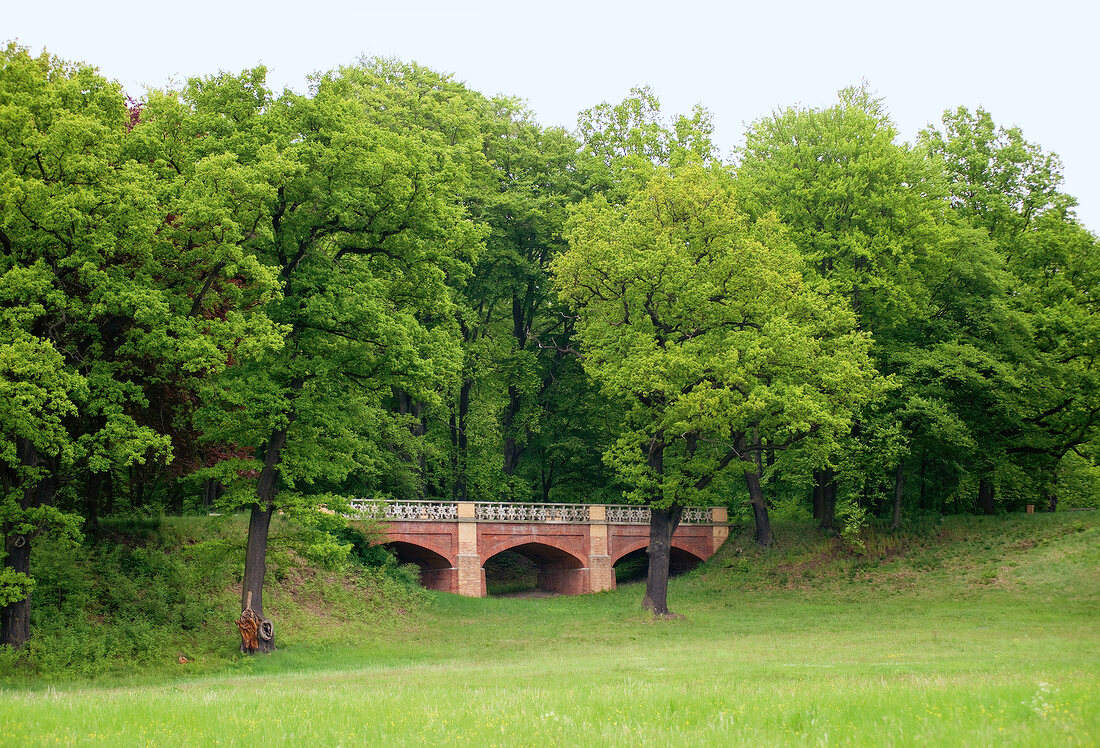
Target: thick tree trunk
point(252, 592)
point(662, 525)
point(985, 496)
point(759, 510)
point(825, 499)
point(15, 618)
point(252, 621)
point(899, 488)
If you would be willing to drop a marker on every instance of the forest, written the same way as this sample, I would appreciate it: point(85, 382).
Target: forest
point(220, 298)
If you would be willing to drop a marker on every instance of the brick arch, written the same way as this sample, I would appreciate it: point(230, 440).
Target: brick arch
point(559, 568)
point(543, 554)
point(440, 544)
point(418, 554)
point(437, 572)
point(577, 555)
point(642, 544)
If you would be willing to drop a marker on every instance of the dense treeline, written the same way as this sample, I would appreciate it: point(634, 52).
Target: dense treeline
point(394, 286)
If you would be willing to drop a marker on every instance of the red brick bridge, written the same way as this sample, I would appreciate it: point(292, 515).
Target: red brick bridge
point(574, 546)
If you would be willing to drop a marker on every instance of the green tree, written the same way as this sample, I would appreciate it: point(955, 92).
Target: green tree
point(702, 325)
point(1010, 189)
point(94, 289)
point(362, 227)
point(869, 216)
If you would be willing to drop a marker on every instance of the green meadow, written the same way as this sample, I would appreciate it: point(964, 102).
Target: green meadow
point(969, 631)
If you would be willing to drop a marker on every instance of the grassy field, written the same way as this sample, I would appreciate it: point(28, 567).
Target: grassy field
point(971, 632)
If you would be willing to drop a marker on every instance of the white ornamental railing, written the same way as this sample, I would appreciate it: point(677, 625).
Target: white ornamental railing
point(505, 512)
point(628, 515)
point(499, 511)
point(405, 510)
point(696, 515)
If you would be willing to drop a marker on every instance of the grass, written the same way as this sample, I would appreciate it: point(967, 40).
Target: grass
point(970, 632)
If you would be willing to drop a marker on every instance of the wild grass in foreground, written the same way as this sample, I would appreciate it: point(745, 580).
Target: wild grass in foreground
point(979, 632)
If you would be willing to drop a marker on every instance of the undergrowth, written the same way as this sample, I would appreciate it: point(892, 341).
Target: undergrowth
point(149, 593)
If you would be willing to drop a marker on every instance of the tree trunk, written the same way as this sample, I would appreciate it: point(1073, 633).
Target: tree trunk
point(212, 490)
point(252, 619)
point(662, 525)
point(759, 510)
point(406, 406)
point(92, 488)
point(985, 496)
point(15, 618)
point(923, 483)
point(252, 592)
point(899, 487)
point(462, 439)
point(817, 497)
point(1050, 489)
point(825, 499)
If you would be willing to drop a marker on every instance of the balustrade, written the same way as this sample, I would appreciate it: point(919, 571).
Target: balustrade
point(493, 511)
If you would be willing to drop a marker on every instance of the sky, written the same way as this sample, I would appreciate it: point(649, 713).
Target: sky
point(1029, 64)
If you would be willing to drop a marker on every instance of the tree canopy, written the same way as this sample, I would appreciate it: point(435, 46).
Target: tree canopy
point(221, 297)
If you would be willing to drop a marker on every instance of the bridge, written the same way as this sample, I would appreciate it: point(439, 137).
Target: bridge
point(574, 546)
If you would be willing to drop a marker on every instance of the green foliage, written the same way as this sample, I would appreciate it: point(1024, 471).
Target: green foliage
point(303, 298)
point(14, 586)
point(148, 589)
point(1044, 386)
point(702, 325)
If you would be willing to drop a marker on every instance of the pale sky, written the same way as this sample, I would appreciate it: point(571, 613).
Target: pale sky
point(1031, 64)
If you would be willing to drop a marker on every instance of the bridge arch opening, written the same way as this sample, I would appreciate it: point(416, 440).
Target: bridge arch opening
point(535, 566)
point(436, 572)
point(633, 566)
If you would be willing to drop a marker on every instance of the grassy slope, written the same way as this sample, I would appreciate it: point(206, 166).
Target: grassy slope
point(976, 631)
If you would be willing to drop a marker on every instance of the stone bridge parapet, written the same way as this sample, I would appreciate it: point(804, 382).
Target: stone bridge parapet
point(574, 546)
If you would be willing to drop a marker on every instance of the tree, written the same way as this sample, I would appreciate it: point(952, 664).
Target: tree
point(1009, 189)
point(702, 325)
point(513, 323)
point(94, 291)
point(869, 217)
point(362, 228)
